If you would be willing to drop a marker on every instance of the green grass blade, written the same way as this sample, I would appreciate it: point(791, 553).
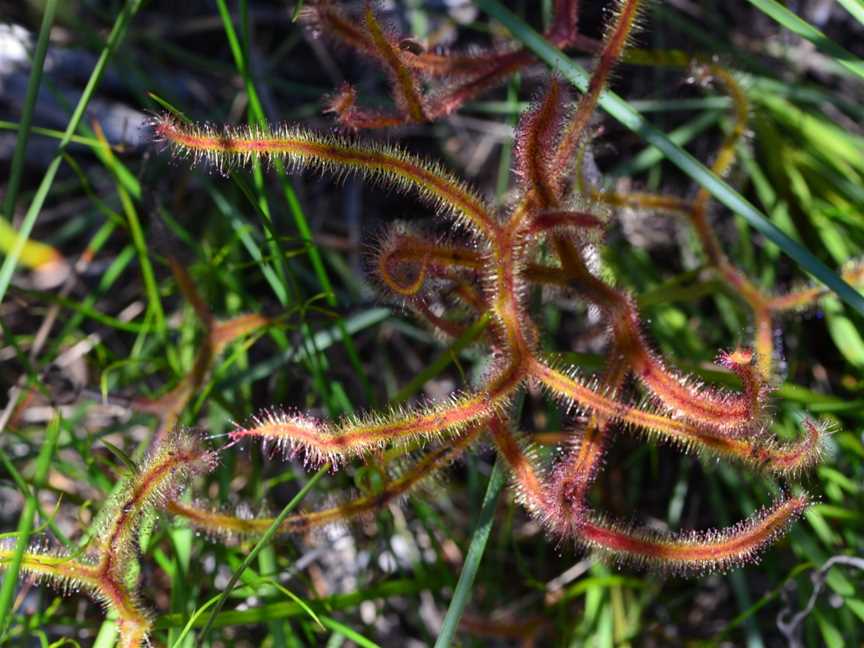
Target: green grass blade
point(114, 38)
point(633, 120)
point(262, 542)
point(32, 93)
point(192, 619)
point(400, 587)
point(32, 253)
point(854, 7)
point(462, 593)
point(321, 341)
point(259, 117)
point(348, 633)
point(650, 156)
point(49, 518)
point(25, 523)
point(802, 28)
point(303, 605)
point(442, 361)
point(107, 636)
point(136, 232)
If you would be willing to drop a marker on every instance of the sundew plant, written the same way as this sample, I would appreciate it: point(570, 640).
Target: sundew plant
point(654, 352)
